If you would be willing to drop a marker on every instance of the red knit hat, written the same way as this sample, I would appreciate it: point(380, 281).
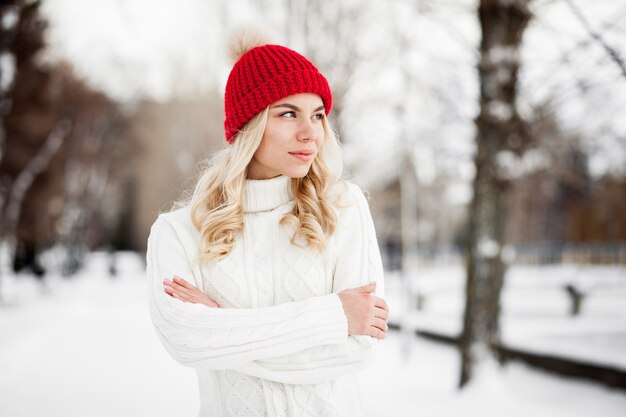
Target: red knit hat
point(263, 75)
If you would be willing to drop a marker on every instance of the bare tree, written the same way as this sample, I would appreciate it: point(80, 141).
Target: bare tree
point(87, 175)
point(9, 17)
point(312, 24)
point(45, 136)
point(27, 176)
point(499, 128)
point(613, 54)
point(93, 169)
point(20, 38)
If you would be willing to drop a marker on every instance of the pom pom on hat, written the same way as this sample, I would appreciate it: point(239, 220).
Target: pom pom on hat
point(265, 73)
point(244, 39)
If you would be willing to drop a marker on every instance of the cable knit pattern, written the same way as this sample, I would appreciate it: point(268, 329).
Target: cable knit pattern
point(278, 346)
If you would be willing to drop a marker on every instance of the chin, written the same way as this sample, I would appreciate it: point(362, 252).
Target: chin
point(297, 173)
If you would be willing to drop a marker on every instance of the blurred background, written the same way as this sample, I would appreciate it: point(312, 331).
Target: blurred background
point(491, 139)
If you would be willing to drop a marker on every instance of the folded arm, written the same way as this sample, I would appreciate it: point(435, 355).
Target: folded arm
point(223, 338)
point(357, 262)
point(300, 342)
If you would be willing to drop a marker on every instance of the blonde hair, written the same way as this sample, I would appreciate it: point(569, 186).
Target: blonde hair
point(217, 200)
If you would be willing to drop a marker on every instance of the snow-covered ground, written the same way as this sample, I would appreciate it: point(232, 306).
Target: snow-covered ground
point(85, 347)
point(535, 306)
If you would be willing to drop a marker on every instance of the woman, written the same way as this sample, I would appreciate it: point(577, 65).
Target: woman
point(264, 281)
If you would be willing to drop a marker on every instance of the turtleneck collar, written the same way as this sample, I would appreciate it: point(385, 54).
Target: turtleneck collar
point(265, 195)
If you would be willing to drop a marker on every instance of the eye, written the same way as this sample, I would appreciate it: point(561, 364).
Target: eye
point(289, 114)
point(318, 116)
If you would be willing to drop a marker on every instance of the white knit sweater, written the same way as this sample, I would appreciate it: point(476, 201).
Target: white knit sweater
point(279, 345)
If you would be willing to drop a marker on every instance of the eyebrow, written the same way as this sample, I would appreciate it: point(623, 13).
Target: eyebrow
point(296, 108)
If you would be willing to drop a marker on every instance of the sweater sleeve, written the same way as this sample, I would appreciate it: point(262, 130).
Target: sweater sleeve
point(223, 338)
point(357, 262)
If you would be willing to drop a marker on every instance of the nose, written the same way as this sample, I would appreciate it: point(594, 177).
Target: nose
point(308, 131)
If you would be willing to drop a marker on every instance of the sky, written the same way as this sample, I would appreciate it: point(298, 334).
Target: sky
point(135, 48)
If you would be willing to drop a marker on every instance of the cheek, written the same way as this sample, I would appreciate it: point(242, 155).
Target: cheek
point(261, 153)
point(319, 132)
point(275, 140)
point(269, 150)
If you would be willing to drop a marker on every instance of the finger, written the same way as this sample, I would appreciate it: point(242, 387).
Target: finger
point(168, 290)
point(380, 324)
point(183, 283)
point(177, 296)
point(193, 295)
point(381, 303)
point(381, 314)
point(178, 292)
point(376, 332)
point(170, 283)
point(183, 290)
point(182, 297)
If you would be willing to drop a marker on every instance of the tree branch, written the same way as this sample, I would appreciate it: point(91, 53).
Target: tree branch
point(36, 165)
point(613, 53)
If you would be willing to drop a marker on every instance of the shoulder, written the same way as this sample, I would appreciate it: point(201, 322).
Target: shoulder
point(345, 194)
point(352, 208)
point(179, 218)
point(354, 220)
point(176, 222)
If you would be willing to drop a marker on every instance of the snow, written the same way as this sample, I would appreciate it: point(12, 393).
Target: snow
point(508, 254)
point(7, 70)
point(503, 55)
point(9, 19)
point(488, 248)
point(535, 309)
point(512, 166)
point(425, 384)
point(500, 110)
point(458, 193)
point(85, 346)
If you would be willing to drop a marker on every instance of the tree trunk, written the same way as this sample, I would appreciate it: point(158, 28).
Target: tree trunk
point(25, 179)
point(9, 17)
point(498, 129)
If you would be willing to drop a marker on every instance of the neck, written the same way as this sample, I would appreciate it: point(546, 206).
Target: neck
point(265, 195)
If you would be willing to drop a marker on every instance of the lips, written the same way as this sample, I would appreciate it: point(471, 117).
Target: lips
point(304, 155)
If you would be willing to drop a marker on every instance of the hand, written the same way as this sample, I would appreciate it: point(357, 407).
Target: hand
point(184, 291)
point(366, 313)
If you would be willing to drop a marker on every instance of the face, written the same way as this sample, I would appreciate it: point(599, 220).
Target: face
point(292, 139)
